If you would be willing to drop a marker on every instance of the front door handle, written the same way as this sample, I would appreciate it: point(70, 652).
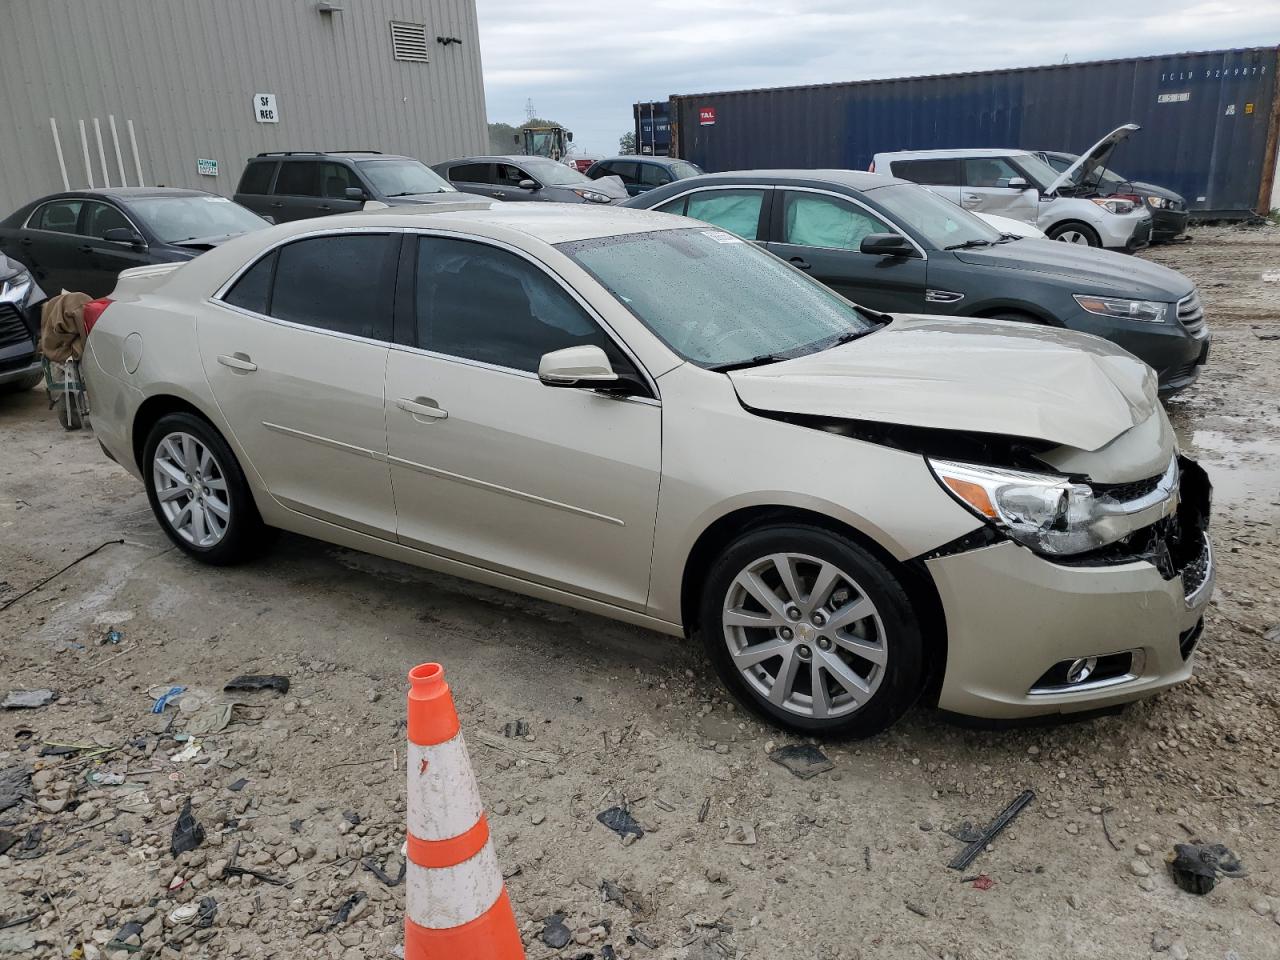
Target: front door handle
point(324, 206)
point(423, 407)
point(26, 241)
point(238, 361)
point(800, 262)
point(85, 248)
point(498, 193)
point(277, 204)
point(972, 199)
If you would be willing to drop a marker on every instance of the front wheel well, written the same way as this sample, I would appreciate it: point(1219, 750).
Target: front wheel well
point(152, 409)
point(1020, 313)
point(915, 579)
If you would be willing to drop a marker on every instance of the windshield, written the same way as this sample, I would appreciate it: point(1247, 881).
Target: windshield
point(683, 169)
point(553, 174)
point(403, 178)
point(718, 300)
point(176, 219)
point(941, 222)
point(1039, 173)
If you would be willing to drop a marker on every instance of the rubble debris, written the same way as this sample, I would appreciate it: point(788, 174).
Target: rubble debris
point(15, 785)
point(993, 830)
point(28, 699)
point(112, 636)
point(30, 847)
point(121, 940)
point(554, 933)
point(207, 913)
point(162, 701)
point(804, 760)
point(983, 882)
point(53, 576)
point(916, 908)
point(1196, 866)
point(607, 952)
point(639, 936)
point(741, 833)
point(351, 817)
point(515, 729)
point(965, 832)
point(210, 718)
point(629, 900)
point(343, 913)
point(189, 752)
point(388, 880)
point(239, 785)
point(187, 831)
point(271, 681)
point(620, 822)
point(7, 839)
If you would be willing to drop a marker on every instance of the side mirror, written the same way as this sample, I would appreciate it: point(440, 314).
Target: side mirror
point(267, 217)
point(886, 245)
point(576, 367)
point(1016, 183)
point(528, 184)
point(124, 235)
point(355, 193)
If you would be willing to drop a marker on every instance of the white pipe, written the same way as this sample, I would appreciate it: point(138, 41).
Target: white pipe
point(102, 154)
point(57, 145)
point(115, 142)
point(84, 145)
point(137, 163)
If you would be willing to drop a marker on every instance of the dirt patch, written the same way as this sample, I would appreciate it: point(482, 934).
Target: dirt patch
point(299, 791)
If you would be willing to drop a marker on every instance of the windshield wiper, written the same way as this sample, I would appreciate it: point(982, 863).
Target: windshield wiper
point(758, 361)
point(1008, 238)
point(414, 193)
point(975, 242)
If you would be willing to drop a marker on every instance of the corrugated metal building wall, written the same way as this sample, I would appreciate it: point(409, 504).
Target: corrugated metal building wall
point(1209, 121)
point(185, 72)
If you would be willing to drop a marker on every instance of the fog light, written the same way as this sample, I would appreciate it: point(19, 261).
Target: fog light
point(1081, 669)
point(1090, 673)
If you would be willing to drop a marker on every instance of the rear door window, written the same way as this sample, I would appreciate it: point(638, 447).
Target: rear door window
point(253, 290)
point(627, 170)
point(737, 211)
point(938, 173)
point(257, 178)
point(652, 175)
point(60, 216)
point(340, 283)
point(298, 178)
point(472, 173)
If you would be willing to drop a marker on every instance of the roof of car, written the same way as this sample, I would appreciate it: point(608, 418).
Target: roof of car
point(549, 222)
point(856, 179)
point(508, 158)
point(130, 193)
point(952, 153)
point(271, 155)
point(644, 158)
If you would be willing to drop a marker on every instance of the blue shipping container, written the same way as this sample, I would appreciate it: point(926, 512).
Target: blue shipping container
point(1210, 121)
point(653, 127)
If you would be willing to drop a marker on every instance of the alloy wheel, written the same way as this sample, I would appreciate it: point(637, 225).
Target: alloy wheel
point(1073, 236)
point(804, 635)
point(191, 489)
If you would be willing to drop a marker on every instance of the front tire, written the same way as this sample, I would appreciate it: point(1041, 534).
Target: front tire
point(198, 491)
point(812, 632)
point(1075, 232)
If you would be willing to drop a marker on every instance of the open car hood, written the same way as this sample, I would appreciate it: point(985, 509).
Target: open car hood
point(1091, 163)
point(985, 376)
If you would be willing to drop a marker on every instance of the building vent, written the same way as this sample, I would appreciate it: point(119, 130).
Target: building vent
point(409, 41)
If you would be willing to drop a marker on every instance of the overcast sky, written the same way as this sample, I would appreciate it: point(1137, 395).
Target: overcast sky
point(584, 64)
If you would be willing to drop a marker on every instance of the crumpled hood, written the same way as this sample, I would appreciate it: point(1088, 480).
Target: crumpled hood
point(986, 376)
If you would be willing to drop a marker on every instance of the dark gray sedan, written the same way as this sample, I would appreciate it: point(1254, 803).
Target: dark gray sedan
point(528, 178)
point(895, 246)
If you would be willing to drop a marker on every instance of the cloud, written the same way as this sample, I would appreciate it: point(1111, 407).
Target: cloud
point(585, 64)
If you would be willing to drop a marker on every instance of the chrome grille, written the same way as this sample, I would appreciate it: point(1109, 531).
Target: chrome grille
point(12, 328)
point(1191, 314)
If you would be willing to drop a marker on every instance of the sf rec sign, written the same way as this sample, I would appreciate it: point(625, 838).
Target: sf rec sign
point(264, 108)
point(707, 116)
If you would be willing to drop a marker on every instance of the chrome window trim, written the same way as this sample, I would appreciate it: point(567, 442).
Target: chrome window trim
point(590, 311)
point(857, 203)
point(26, 225)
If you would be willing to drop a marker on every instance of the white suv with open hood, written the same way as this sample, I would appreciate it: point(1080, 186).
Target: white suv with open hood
point(1015, 183)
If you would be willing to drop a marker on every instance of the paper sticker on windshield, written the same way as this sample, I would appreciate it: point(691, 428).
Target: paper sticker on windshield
point(216, 200)
point(719, 236)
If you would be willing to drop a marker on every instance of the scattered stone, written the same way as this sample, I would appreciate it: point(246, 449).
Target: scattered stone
point(28, 699)
point(925, 825)
point(804, 760)
point(554, 933)
point(621, 822)
point(1143, 850)
point(1261, 906)
point(1139, 868)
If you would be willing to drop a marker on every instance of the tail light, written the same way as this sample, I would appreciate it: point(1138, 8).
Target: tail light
point(872, 168)
point(92, 311)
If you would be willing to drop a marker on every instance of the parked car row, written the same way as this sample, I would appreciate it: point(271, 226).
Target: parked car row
point(655, 419)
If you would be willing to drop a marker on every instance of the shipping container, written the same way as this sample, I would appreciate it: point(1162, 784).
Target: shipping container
point(653, 127)
point(1209, 121)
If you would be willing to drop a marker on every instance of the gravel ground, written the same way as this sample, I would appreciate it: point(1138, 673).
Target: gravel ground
point(739, 858)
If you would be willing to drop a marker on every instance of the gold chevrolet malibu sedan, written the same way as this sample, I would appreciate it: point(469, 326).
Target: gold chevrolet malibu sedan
point(650, 419)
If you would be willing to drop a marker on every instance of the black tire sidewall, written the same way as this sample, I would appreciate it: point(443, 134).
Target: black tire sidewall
point(1094, 240)
point(904, 672)
point(244, 531)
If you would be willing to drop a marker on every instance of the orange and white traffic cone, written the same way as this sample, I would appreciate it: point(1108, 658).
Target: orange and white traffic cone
point(456, 905)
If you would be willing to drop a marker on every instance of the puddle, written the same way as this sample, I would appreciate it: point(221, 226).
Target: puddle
point(1245, 472)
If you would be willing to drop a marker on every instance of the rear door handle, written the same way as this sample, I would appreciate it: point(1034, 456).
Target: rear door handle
point(26, 241)
point(238, 361)
point(324, 206)
point(800, 262)
point(85, 248)
point(278, 203)
point(423, 407)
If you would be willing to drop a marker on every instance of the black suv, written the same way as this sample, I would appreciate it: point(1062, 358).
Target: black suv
point(294, 185)
point(20, 299)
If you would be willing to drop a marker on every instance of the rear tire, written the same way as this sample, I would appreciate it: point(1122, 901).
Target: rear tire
point(1073, 231)
point(199, 493)
point(812, 632)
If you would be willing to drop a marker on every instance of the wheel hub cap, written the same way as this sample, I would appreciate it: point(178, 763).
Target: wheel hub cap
point(191, 489)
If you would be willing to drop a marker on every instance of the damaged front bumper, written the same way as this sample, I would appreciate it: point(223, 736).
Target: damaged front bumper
point(1028, 636)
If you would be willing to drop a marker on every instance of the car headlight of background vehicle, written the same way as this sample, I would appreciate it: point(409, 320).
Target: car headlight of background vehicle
point(591, 196)
point(1114, 205)
point(1047, 513)
point(1159, 203)
point(1151, 311)
point(16, 288)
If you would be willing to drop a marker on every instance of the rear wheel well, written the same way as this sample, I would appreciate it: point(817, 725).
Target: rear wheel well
point(152, 409)
point(915, 579)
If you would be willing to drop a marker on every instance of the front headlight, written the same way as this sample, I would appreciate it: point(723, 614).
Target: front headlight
point(1047, 513)
point(1150, 311)
point(16, 288)
point(591, 196)
point(1158, 203)
point(1112, 205)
